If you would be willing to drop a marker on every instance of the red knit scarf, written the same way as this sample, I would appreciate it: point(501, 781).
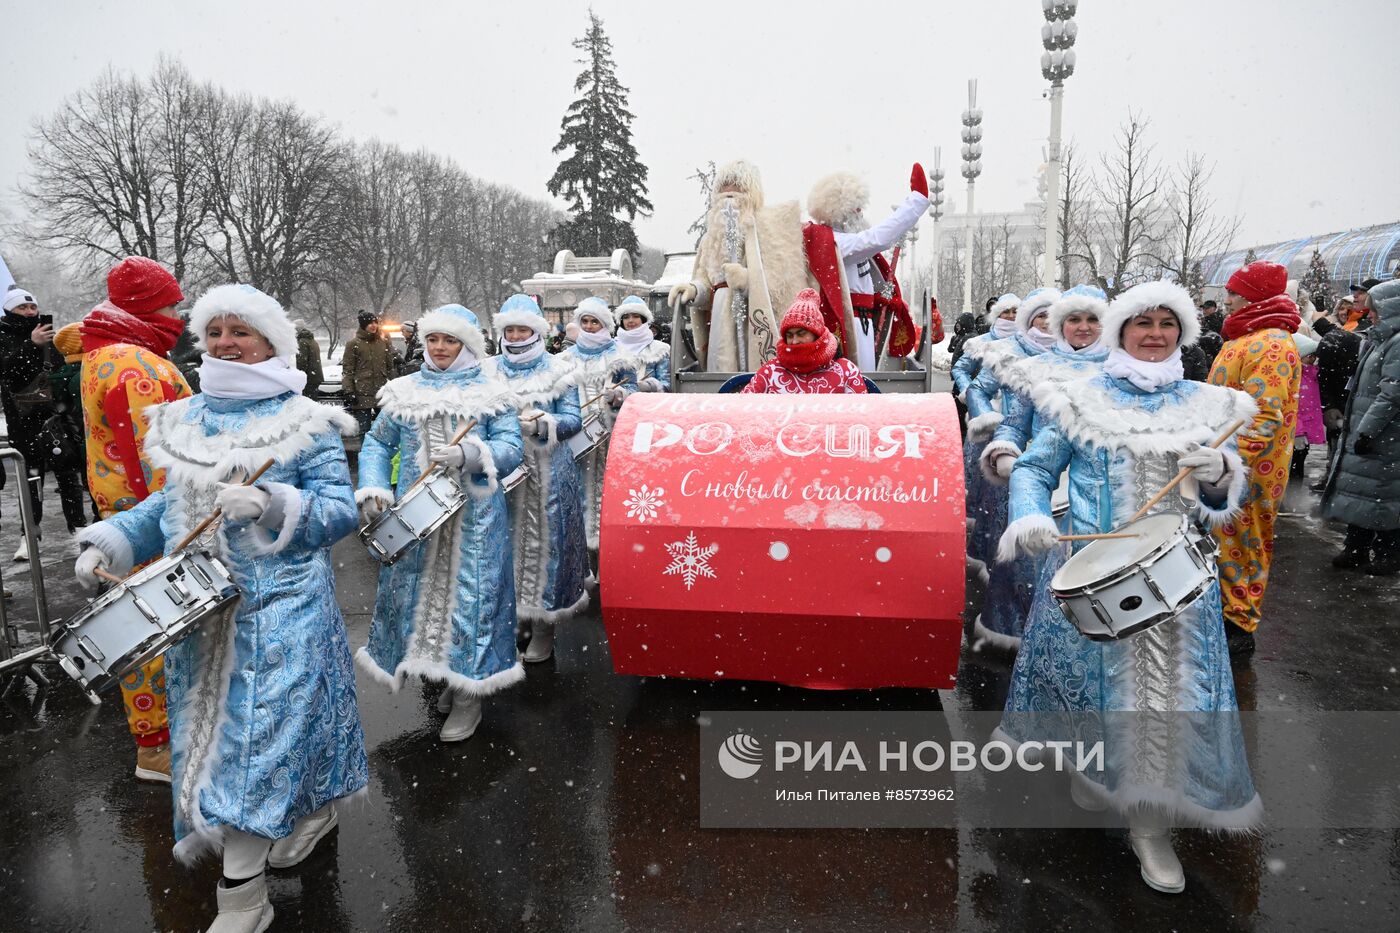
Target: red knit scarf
point(1276, 312)
point(807, 357)
point(107, 324)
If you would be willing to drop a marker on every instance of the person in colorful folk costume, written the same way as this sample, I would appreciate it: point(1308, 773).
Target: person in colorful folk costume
point(860, 297)
point(126, 368)
point(605, 377)
point(1075, 321)
point(446, 610)
point(546, 510)
point(1007, 598)
point(1122, 435)
point(650, 358)
point(1259, 357)
point(807, 362)
point(985, 506)
point(265, 729)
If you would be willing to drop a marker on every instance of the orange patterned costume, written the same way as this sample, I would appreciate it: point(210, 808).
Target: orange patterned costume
point(118, 381)
point(1264, 364)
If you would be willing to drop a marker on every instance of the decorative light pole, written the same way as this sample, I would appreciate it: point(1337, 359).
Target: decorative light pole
point(971, 168)
point(935, 196)
point(1056, 64)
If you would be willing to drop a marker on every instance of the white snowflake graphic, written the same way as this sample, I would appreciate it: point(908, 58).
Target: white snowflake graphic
point(644, 504)
point(690, 560)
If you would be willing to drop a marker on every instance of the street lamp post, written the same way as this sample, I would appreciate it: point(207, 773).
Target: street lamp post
point(935, 197)
point(971, 168)
point(1056, 64)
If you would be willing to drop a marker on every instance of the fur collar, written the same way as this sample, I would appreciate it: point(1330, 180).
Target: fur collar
point(1111, 413)
point(978, 346)
point(590, 365)
point(175, 440)
point(543, 382)
point(1051, 366)
point(420, 397)
point(654, 352)
point(1000, 355)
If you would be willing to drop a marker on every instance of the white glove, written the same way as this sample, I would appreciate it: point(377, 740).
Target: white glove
point(683, 292)
point(736, 276)
point(241, 503)
point(616, 396)
point(91, 560)
point(449, 455)
point(533, 424)
point(649, 385)
point(1206, 463)
point(372, 508)
point(1004, 464)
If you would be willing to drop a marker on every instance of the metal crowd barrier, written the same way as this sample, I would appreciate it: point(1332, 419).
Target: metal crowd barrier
point(13, 664)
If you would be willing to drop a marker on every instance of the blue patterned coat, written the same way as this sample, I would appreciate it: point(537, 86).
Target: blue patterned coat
point(654, 362)
point(1120, 444)
point(446, 610)
point(551, 553)
point(264, 726)
point(596, 370)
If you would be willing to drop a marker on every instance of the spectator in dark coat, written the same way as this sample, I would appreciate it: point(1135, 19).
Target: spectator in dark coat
point(1338, 353)
point(309, 359)
point(1210, 341)
point(1363, 485)
point(187, 356)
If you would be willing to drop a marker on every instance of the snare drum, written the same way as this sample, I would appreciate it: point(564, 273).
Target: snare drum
point(422, 511)
point(1116, 587)
point(141, 617)
point(592, 434)
point(515, 477)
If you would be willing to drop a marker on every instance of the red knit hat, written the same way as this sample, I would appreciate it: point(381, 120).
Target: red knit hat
point(1259, 281)
point(805, 312)
point(139, 285)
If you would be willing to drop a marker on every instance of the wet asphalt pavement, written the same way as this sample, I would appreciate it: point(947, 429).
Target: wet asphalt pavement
point(575, 806)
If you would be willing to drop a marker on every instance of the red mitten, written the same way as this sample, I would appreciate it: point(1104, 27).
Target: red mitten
point(918, 181)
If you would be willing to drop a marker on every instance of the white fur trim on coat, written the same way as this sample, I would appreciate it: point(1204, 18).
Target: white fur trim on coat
point(983, 426)
point(555, 616)
point(551, 433)
point(111, 542)
point(374, 492)
point(1086, 414)
point(1075, 304)
point(835, 198)
point(453, 325)
point(999, 356)
point(1031, 307)
point(1018, 534)
point(414, 400)
point(988, 460)
point(1145, 297)
point(1025, 375)
point(488, 467)
point(540, 387)
point(419, 669)
point(1235, 492)
point(258, 310)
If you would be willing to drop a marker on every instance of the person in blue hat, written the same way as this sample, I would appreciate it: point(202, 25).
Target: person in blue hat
point(650, 357)
point(446, 610)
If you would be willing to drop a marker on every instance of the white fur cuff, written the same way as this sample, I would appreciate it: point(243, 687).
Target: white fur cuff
point(488, 467)
point(990, 454)
point(983, 426)
point(1232, 489)
point(111, 542)
point(374, 492)
point(1031, 534)
point(273, 531)
point(550, 438)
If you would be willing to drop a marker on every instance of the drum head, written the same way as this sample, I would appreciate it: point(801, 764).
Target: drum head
point(1101, 560)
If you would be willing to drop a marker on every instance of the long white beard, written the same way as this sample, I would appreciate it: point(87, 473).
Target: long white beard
point(851, 223)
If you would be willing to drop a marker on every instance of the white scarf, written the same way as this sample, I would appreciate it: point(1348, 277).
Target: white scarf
point(593, 340)
point(1003, 327)
point(1146, 376)
point(635, 340)
point(465, 359)
point(268, 379)
point(1041, 338)
point(523, 351)
point(1064, 345)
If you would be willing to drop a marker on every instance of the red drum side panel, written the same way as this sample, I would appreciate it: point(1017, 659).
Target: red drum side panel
point(810, 540)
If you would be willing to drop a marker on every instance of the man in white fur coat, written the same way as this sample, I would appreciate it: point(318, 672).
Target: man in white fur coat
point(843, 254)
point(771, 271)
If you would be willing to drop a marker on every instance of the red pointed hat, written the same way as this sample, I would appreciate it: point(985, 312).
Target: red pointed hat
point(139, 285)
point(1259, 281)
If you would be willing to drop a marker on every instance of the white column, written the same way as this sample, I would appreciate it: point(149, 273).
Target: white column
point(1052, 188)
point(967, 241)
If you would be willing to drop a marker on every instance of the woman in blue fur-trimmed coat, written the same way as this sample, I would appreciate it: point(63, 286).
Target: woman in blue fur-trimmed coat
point(1162, 700)
point(651, 358)
point(446, 610)
point(551, 555)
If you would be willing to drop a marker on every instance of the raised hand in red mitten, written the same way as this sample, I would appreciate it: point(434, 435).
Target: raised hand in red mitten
point(918, 181)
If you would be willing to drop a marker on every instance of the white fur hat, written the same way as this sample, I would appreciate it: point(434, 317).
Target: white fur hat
point(634, 304)
point(1034, 305)
point(258, 310)
point(454, 321)
point(836, 197)
point(1078, 300)
point(1005, 303)
point(742, 175)
point(596, 307)
point(523, 311)
point(1142, 298)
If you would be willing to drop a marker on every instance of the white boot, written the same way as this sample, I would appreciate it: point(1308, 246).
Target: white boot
point(444, 700)
point(243, 909)
point(1152, 843)
point(22, 554)
point(464, 718)
point(541, 647)
point(1083, 794)
point(308, 831)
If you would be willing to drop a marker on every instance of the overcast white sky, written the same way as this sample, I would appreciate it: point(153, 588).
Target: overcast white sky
point(1295, 100)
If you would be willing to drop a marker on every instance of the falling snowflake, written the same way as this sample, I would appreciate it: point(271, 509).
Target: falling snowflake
point(690, 560)
point(643, 504)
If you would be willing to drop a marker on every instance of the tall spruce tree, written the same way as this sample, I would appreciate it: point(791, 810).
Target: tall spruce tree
point(602, 179)
point(1317, 282)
